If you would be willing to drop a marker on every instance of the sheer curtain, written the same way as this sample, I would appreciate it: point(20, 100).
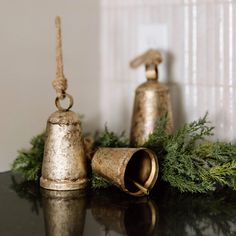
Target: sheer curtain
point(198, 42)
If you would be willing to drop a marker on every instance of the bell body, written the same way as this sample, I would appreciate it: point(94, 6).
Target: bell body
point(122, 166)
point(152, 101)
point(64, 163)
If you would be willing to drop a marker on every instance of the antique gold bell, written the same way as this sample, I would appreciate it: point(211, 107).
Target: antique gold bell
point(133, 170)
point(64, 163)
point(152, 100)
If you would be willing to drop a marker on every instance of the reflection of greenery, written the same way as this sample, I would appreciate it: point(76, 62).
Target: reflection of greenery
point(28, 190)
point(180, 213)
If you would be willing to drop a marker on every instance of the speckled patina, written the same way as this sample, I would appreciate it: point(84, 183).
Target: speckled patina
point(152, 100)
point(64, 163)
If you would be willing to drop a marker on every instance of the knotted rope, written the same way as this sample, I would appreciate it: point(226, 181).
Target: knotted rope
point(150, 57)
point(60, 83)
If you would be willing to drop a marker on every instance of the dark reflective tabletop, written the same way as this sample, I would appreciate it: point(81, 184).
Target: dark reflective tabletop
point(28, 210)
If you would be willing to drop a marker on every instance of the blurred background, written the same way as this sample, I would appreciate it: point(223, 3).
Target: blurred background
point(196, 37)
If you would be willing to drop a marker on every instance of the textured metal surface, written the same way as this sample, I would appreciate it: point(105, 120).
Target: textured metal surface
point(152, 100)
point(119, 165)
point(64, 212)
point(64, 163)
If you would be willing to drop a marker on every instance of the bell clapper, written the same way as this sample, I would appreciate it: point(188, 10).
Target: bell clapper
point(139, 186)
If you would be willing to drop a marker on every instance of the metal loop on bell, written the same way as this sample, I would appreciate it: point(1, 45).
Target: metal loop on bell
point(58, 105)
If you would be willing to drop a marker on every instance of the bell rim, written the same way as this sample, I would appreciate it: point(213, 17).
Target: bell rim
point(63, 184)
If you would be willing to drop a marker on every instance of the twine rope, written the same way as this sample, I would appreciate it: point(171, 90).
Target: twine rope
point(60, 83)
point(150, 57)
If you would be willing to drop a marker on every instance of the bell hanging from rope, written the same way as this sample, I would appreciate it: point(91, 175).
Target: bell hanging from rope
point(152, 100)
point(64, 162)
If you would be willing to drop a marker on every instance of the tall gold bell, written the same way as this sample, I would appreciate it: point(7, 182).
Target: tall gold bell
point(152, 100)
point(64, 163)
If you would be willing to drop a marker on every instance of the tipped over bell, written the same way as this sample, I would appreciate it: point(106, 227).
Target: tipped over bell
point(133, 170)
point(64, 163)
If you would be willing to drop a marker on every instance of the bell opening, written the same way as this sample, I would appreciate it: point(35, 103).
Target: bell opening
point(138, 170)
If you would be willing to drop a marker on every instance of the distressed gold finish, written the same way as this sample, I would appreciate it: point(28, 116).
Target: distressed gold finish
point(64, 212)
point(152, 100)
point(64, 163)
point(126, 216)
point(133, 170)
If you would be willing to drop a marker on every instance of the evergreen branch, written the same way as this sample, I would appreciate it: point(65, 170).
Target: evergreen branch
point(29, 163)
point(224, 174)
point(186, 162)
point(98, 182)
point(110, 139)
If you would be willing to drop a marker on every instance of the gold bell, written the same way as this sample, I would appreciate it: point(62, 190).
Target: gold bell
point(133, 170)
point(64, 163)
point(152, 100)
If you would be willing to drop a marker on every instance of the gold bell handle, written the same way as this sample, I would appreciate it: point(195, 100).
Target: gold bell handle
point(151, 59)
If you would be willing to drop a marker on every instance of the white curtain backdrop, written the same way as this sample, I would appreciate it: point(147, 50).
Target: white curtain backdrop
point(198, 42)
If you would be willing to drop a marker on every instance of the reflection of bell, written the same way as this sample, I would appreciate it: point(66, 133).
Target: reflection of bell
point(64, 162)
point(134, 170)
point(64, 212)
point(152, 100)
point(126, 216)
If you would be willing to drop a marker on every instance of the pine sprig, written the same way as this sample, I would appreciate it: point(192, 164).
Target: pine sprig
point(158, 139)
point(98, 182)
point(29, 162)
point(192, 165)
point(109, 139)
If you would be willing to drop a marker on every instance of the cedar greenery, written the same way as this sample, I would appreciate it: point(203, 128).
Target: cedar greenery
point(29, 162)
point(187, 162)
point(110, 139)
